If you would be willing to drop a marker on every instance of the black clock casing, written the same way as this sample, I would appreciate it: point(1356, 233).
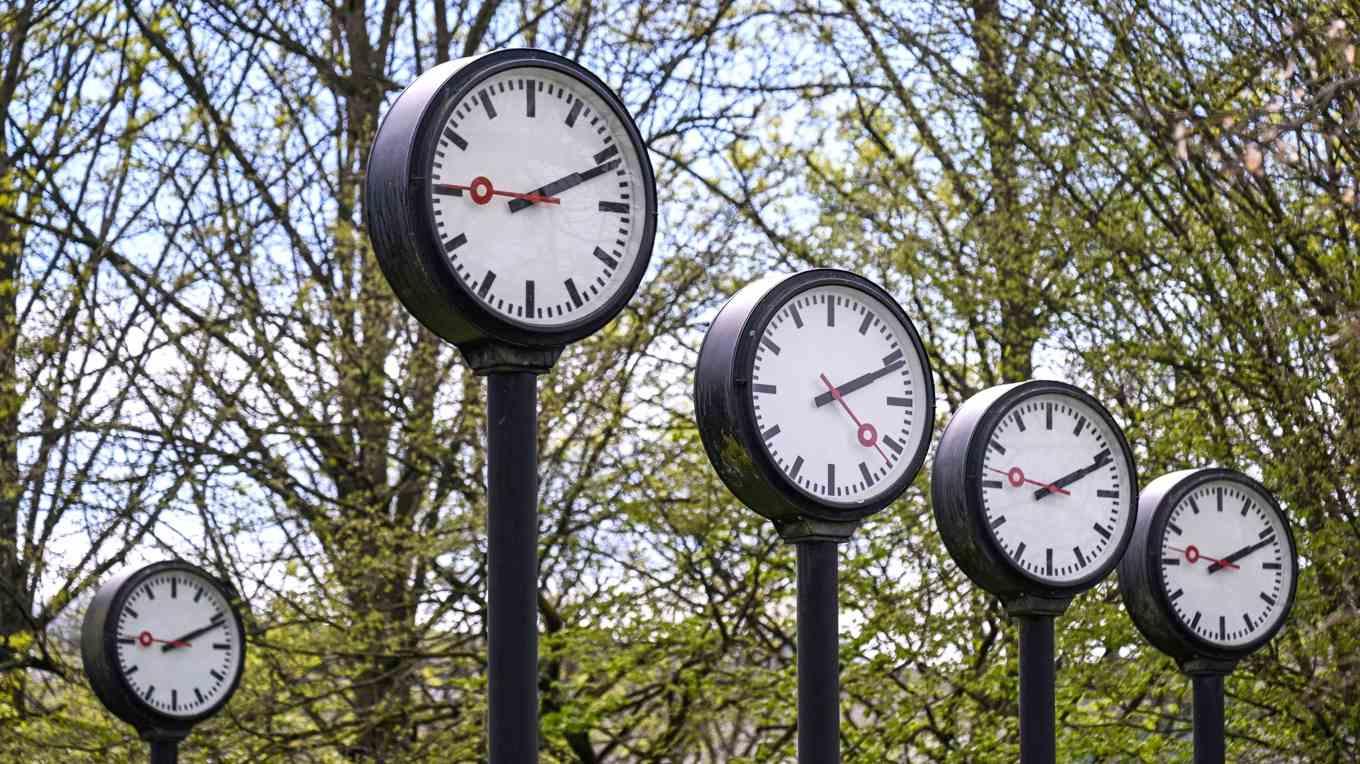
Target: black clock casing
point(956, 492)
point(724, 409)
point(1140, 574)
point(99, 653)
point(401, 222)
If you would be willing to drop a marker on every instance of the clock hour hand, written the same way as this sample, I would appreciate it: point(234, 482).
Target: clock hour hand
point(1239, 554)
point(183, 641)
point(562, 184)
point(1102, 459)
point(862, 380)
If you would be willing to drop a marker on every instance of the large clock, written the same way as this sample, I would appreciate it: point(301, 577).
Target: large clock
point(509, 197)
point(1033, 489)
point(1212, 569)
point(164, 646)
point(814, 397)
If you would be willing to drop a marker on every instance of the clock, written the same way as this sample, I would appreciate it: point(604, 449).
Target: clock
point(164, 647)
point(1033, 489)
point(509, 198)
point(814, 397)
point(1212, 568)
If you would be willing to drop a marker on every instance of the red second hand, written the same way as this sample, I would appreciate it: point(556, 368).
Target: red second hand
point(482, 190)
point(145, 640)
point(866, 433)
point(1017, 477)
point(1192, 554)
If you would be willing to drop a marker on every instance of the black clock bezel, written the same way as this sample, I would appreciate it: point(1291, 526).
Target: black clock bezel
point(1143, 586)
point(399, 213)
point(725, 410)
point(99, 652)
point(956, 492)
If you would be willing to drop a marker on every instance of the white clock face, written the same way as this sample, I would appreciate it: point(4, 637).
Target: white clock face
point(1225, 563)
point(1056, 488)
point(839, 391)
point(178, 645)
point(538, 197)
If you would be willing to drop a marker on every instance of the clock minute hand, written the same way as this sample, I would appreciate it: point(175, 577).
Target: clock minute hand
point(856, 383)
point(563, 183)
point(183, 640)
point(1102, 459)
point(1239, 554)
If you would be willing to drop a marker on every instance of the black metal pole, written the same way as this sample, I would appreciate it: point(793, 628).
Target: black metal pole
point(819, 685)
point(1036, 689)
point(164, 752)
point(1209, 744)
point(512, 567)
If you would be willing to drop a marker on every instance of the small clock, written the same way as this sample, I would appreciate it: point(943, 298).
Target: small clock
point(1212, 568)
point(814, 397)
point(1033, 489)
point(164, 647)
point(509, 198)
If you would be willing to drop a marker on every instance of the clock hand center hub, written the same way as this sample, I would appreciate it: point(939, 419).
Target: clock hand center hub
point(482, 190)
point(868, 436)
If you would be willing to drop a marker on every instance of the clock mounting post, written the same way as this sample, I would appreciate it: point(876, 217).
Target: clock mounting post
point(1033, 490)
point(164, 650)
point(511, 205)
point(1209, 578)
point(815, 404)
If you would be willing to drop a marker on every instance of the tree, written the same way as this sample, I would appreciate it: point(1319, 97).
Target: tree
point(82, 481)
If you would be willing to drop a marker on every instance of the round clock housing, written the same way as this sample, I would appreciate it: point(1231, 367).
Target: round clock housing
point(814, 397)
point(1033, 489)
point(1212, 568)
point(164, 646)
point(509, 197)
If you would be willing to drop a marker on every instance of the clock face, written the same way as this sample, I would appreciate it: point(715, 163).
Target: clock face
point(178, 643)
point(1227, 565)
point(839, 391)
point(539, 196)
point(1056, 487)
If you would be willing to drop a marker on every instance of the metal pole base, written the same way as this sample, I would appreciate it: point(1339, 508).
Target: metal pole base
point(512, 567)
point(1034, 616)
point(164, 752)
point(1037, 677)
point(819, 687)
point(1210, 746)
point(1206, 681)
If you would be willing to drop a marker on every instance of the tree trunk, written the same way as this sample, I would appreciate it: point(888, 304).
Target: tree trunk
point(15, 604)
